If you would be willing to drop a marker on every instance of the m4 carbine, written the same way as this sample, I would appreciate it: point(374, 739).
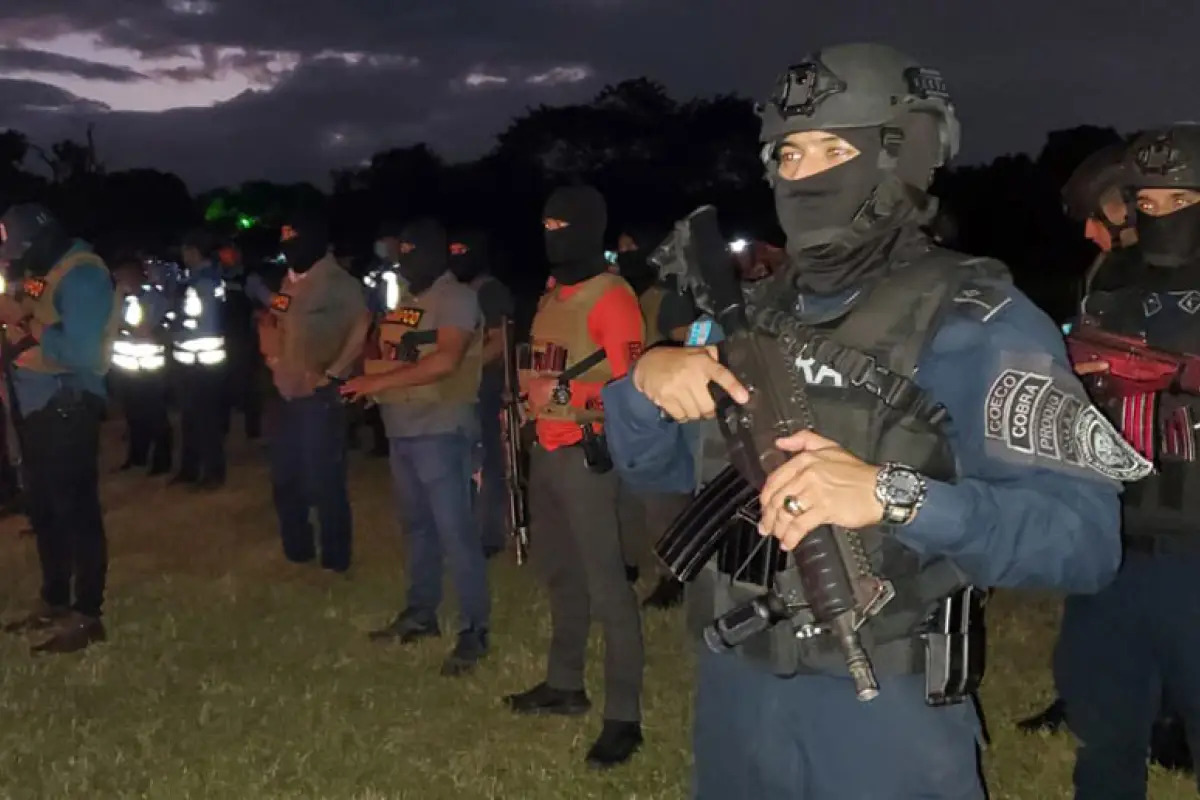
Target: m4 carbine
point(836, 586)
point(514, 462)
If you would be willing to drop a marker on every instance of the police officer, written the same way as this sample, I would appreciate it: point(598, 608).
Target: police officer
point(645, 515)
point(470, 262)
point(62, 328)
point(242, 373)
point(199, 351)
point(426, 382)
point(139, 361)
point(587, 330)
point(1094, 197)
point(912, 335)
point(321, 324)
point(1113, 693)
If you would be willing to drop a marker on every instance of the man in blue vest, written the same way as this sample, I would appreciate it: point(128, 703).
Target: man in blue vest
point(198, 350)
point(61, 329)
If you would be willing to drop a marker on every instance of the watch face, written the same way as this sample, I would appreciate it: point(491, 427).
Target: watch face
point(903, 487)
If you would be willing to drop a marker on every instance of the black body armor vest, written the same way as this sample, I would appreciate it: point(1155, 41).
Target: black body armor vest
point(859, 372)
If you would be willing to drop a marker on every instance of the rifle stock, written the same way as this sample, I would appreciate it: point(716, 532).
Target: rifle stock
point(514, 461)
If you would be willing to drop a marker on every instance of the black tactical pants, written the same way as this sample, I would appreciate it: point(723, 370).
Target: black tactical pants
point(61, 449)
point(577, 550)
point(202, 415)
point(244, 389)
point(144, 399)
point(1118, 652)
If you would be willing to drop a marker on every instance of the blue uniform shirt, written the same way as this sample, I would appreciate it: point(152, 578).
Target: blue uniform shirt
point(84, 301)
point(201, 299)
point(1037, 501)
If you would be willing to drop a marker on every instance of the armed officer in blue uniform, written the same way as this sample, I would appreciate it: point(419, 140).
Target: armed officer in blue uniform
point(951, 447)
point(139, 360)
point(61, 329)
point(198, 349)
point(1113, 694)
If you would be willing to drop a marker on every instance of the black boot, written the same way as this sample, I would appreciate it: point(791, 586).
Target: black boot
point(544, 699)
point(668, 594)
point(617, 743)
point(74, 633)
point(1049, 721)
point(405, 629)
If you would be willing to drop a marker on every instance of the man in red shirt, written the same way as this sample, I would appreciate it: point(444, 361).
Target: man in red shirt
point(587, 331)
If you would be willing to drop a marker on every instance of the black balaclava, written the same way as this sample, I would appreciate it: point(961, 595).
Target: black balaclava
point(305, 242)
point(634, 265)
point(1170, 240)
point(469, 255)
point(576, 250)
point(843, 223)
point(33, 240)
point(424, 253)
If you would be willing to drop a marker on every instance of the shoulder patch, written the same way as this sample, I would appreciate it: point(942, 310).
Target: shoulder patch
point(1030, 418)
point(34, 287)
point(281, 302)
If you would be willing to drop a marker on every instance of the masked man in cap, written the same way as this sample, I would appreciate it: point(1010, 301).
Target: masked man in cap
point(426, 382)
point(320, 322)
point(61, 330)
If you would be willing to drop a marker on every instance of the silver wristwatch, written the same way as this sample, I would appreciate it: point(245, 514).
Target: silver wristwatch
point(901, 492)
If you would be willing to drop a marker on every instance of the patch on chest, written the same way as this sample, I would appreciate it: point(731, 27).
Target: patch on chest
point(1035, 421)
point(408, 317)
point(281, 302)
point(34, 288)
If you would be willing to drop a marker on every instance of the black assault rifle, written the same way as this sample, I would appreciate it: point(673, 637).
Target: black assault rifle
point(515, 474)
point(827, 559)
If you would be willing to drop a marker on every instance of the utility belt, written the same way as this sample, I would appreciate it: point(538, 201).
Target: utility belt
point(203, 351)
point(132, 356)
point(1162, 544)
point(69, 400)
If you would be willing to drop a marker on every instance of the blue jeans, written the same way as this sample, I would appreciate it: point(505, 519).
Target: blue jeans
point(308, 468)
point(809, 738)
point(492, 502)
point(1119, 651)
point(431, 476)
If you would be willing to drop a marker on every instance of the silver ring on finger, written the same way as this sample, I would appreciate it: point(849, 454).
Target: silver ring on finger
point(793, 506)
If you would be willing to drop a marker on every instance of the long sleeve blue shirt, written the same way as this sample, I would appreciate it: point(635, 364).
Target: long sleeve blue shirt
point(1036, 504)
point(84, 300)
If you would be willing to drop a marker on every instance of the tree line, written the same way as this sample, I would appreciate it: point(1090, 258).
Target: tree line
point(654, 158)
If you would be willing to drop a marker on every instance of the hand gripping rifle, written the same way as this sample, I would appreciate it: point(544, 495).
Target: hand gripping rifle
point(778, 407)
point(514, 463)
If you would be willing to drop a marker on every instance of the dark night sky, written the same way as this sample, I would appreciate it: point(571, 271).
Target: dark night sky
point(226, 90)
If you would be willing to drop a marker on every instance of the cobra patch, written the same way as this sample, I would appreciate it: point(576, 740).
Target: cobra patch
point(281, 302)
point(408, 317)
point(1036, 421)
point(34, 287)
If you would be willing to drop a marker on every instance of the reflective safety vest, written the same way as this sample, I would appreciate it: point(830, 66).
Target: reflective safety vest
point(133, 351)
point(206, 350)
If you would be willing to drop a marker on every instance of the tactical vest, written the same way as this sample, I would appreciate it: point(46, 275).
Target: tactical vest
point(859, 383)
point(37, 300)
point(651, 302)
point(559, 339)
point(414, 318)
point(288, 339)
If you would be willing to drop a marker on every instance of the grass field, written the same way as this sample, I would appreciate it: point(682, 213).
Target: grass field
point(230, 674)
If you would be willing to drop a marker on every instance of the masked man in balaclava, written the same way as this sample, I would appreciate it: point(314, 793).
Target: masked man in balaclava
point(587, 330)
point(470, 262)
point(426, 382)
point(320, 325)
point(59, 336)
point(1021, 491)
point(1117, 654)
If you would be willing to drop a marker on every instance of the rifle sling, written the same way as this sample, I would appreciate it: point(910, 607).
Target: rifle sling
point(580, 367)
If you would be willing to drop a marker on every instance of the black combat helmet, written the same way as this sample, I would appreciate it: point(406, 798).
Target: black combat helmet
point(1167, 158)
point(857, 86)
